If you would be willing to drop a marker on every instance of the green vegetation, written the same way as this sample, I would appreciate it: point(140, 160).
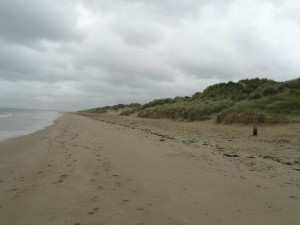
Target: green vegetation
point(116, 108)
point(271, 102)
point(229, 102)
point(188, 110)
point(130, 109)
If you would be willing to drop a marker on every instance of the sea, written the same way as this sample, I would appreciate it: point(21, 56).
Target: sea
point(18, 122)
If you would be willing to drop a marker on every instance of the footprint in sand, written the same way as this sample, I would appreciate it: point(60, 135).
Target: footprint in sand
point(61, 178)
point(118, 184)
point(133, 191)
point(20, 179)
point(106, 165)
point(94, 199)
point(94, 211)
point(92, 180)
point(18, 193)
point(13, 189)
point(100, 188)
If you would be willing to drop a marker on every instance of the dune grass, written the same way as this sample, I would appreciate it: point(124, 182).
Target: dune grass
point(231, 102)
point(240, 100)
point(195, 110)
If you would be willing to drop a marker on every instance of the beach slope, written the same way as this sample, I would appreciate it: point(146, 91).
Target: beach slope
point(84, 171)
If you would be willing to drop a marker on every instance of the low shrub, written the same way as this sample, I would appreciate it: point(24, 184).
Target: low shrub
point(128, 112)
point(196, 110)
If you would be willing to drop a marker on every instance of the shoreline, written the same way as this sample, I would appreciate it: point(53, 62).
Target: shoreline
point(114, 170)
point(36, 129)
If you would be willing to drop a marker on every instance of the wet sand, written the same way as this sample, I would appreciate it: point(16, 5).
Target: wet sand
point(124, 170)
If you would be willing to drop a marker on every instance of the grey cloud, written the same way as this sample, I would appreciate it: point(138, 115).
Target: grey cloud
point(121, 63)
point(240, 46)
point(21, 63)
point(289, 13)
point(75, 54)
point(33, 20)
point(139, 33)
point(165, 8)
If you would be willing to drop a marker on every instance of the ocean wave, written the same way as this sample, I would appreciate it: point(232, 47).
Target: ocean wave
point(4, 115)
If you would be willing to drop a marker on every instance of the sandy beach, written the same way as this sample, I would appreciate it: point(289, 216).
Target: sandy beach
point(112, 170)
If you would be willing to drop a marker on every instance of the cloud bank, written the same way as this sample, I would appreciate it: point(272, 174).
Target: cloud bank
point(75, 54)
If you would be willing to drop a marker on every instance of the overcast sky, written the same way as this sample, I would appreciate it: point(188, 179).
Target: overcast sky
point(77, 54)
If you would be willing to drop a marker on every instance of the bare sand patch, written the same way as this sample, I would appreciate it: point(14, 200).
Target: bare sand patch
point(126, 170)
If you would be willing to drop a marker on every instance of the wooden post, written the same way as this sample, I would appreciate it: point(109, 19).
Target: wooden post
point(255, 121)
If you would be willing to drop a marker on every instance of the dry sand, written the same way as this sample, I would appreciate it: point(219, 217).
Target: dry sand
point(123, 170)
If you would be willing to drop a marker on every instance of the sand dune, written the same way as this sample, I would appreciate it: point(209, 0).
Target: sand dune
point(123, 170)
